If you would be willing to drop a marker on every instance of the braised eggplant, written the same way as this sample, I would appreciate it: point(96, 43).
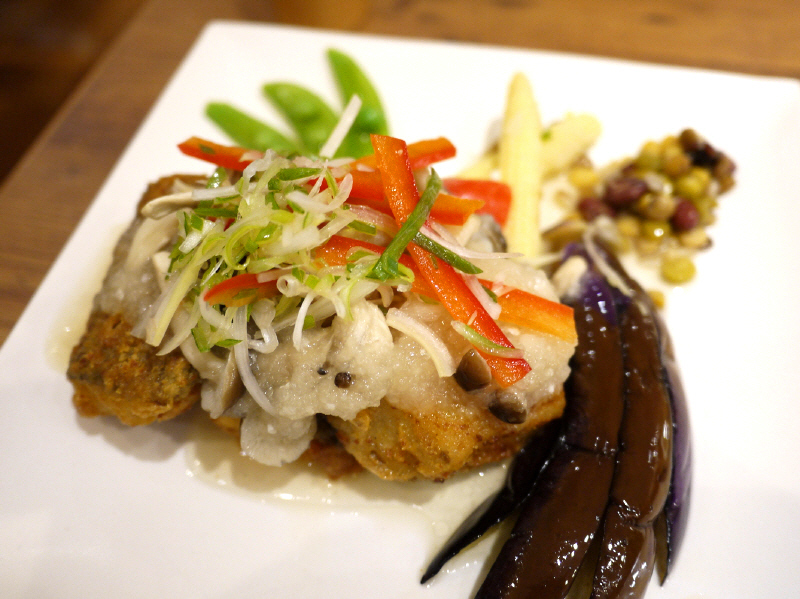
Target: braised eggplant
point(676, 510)
point(643, 463)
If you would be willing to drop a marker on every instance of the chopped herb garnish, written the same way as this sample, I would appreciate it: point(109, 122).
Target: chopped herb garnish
point(293, 174)
point(388, 266)
point(447, 255)
point(367, 228)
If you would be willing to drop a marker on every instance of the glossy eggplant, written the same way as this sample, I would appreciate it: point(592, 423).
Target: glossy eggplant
point(590, 421)
point(676, 510)
point(562, 515)
point(643, 463)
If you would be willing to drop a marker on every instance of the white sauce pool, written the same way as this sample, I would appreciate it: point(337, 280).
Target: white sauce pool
point(213, 456)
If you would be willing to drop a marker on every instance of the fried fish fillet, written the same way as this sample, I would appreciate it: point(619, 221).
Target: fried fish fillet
point(115, 373)
point(399, 444)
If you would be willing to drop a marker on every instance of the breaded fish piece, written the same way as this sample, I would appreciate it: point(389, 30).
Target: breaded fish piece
point(398, 444)
point(115, 373)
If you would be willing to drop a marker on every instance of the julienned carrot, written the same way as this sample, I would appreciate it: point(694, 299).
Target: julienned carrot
point(449, 287)
point(517, 307)
point(525, 309)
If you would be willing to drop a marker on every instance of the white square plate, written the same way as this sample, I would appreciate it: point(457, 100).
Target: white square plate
point(93, 509)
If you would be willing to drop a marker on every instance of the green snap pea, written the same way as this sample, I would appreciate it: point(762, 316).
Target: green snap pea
point(247, 131)
point(351, 80)
point(307, 113)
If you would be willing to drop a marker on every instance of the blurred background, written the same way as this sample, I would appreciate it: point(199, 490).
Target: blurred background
point(46, 47)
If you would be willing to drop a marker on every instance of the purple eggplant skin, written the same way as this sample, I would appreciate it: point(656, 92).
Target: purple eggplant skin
point(562, 515)
point(521, 475)
point(594, 389)
point(643, 464)
point(676, 510)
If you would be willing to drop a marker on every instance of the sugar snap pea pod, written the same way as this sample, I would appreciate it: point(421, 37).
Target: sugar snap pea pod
point(561, 517)
point(248, 132)
point(521, 475)
point(676, 510)
point(643, 462)
point(308, 114)
point(351, 80)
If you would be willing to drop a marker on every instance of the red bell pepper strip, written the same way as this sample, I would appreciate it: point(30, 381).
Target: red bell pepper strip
point(420, 154)
point(496, 195)
point(230, 157)
point(535, 312)
point(449, 287)
point(517, 307)
point(240, 290)
point(448, 210)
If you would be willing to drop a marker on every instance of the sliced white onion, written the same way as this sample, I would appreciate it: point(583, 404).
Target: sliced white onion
point(491, 306)
point(210, 315)
point(242, 357)
point(263, 313)
point(426, 337)
point(342, 219)
point(297, 334)
point(456, 248)
point(345, 187)
point(308, 203)
point(382, 222)
point(339, 132)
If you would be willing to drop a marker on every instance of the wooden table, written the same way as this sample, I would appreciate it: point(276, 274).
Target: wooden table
point(45, 196)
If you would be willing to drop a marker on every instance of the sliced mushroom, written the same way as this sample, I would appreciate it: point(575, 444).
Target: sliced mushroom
point(509, 407)
point(473, 372)
point(223, 392)
point(161, 207)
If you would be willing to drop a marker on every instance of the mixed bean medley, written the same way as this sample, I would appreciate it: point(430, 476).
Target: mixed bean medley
point(661, 201)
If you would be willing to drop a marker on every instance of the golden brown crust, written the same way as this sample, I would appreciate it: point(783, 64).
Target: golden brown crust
point(401, 445)
point(115, 373)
